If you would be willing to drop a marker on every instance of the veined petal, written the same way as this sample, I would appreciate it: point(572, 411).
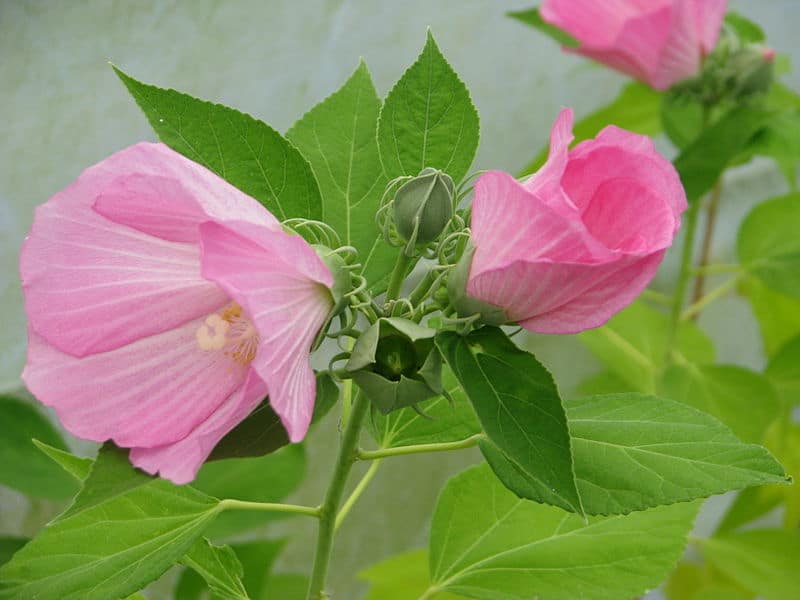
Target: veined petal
point(595, 305)
point(92, 285)
point(682, 52)
point(708, 16)
point(283, 286)
point(148, 393)
point(157, 191)
point(594, 22)
point(509, 224)
point(180, 460)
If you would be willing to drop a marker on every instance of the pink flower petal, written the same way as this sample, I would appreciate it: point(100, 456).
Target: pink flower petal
point(180, 461)
point(709, 15)
point(682, 52)
point(148, 393)
point(615, 287)
point(283, 285)
point(594, 22)
point(546, 182)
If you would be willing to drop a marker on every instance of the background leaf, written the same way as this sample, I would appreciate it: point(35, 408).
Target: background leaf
point(519, 407)
point(402, 577)
point(219, 567)
point(778, 315)
point(77, 466)
point(428, 120)
point(338, 137)
point(242, 150)
point(764, 561)
point(783, 371)
point(112, 542)
point(22, 464)
point(487, 543)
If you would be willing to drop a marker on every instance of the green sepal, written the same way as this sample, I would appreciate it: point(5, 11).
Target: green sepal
point(466, 305)
point(395, 364)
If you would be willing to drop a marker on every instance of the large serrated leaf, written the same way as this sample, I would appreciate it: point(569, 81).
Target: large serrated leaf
point(428, 120)
point(486, 543)
point(244, 151)
point(115, 539)
point(519, 407)
point(338, 137)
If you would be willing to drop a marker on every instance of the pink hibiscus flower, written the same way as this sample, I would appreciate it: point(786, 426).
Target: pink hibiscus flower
point(163, 305)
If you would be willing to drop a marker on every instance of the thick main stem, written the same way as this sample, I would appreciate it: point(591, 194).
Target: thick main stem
point(708, 236)
point(333, 498)
point(398, 276)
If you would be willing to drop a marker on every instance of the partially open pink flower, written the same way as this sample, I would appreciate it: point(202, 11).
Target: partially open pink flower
point(579, 240)
point(660, 42)
point(163, 305)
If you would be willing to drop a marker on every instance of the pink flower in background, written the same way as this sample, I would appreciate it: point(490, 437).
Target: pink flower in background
point(579, 240)
point(660, 42)
point(163, 305)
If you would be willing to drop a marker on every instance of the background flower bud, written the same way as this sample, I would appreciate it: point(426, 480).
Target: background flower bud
point(423, 206)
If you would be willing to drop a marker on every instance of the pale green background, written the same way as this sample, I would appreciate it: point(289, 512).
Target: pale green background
point(62, 109)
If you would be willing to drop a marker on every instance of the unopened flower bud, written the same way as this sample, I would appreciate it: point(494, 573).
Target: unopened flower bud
point(395, 364)
point(752, 70)
point(466, 305)
point(423, 206)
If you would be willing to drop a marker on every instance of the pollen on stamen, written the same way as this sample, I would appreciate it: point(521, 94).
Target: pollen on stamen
point(232, 331)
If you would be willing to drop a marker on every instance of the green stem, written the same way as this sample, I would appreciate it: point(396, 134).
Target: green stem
point(708, 235)
point(398, 276)
point(683, 281)
point(710, 297)
point(333, 497)
point(420, 448)
point(353, 498)
point(230, 504)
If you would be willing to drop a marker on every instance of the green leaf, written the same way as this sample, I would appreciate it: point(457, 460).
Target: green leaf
point(743, 400)
point(443, 421)
point(634, 452)
point(268, 478)
point(769, 245)
point(487, 543)
point(764, 561)
point(8, 546)
point(534, 19)
point(338, 137)
point(701, 164)
point(401, 577)
point(695, 582)
point(257, 558)
point(286, 586)
point(682, 118)
point(604, 382)
point(119, 535)
point(242, 150)
point(632, 344)
point(518, 405)
point(778, 315)
point(428, 120)
point(783, 371)
point(637, 109)
point(747, 31)
point(219, 567)
point(76, 466)
point(262, 432)
point(22, 466)
point(780, 141)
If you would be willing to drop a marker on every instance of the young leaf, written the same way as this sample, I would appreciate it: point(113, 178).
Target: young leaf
point(783, 371)
point(534, 19)
point(519, 408)
point(76, 466)
point(769, 245)
point(337, 137)
point(743, 400)
point(747, 30)
point(242, 150)
point(443, 421)
point(764, 561)
point(632, 345)
point(635, 109)
point(778, 315)
point(22, 465)
point(121, 533)
point(701, 164)
point(219, 567)
point(428, 120)
point(401, 577)
point(268, 478)
point(487, 543)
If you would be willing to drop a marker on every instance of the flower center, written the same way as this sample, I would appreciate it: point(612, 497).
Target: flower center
point(231, 332)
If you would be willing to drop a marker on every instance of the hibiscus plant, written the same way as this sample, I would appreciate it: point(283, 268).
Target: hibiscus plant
point(197, 305)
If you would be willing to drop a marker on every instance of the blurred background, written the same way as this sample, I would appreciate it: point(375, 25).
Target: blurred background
point(63, 109)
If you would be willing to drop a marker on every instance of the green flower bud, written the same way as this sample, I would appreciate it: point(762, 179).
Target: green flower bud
point(464, 304)
point(395, 364)
point(752, 70)
point(423, 206)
